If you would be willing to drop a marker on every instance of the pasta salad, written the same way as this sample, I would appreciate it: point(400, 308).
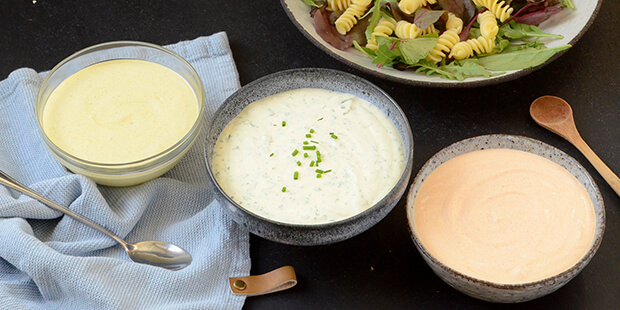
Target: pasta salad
point(455, 39)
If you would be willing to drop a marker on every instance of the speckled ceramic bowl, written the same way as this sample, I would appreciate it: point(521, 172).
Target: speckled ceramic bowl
point(507, 293)
point(302, 234)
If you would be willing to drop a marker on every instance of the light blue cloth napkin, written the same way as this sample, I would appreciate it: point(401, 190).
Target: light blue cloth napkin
point(48, 261)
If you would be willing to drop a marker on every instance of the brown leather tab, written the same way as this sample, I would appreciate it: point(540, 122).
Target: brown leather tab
point(271, 282)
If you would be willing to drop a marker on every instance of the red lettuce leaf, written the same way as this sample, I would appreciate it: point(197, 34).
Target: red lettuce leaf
point(398, 14)
point(464, 35)
point(320, 20)
point(537, 17)
point(358, 32)
point(464, 9)
point(322, 24)
point(534, 12)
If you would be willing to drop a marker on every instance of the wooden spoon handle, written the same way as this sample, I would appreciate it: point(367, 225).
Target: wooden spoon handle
point(600, 166)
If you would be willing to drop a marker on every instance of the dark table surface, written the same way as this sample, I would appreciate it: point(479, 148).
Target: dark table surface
point(380, 267)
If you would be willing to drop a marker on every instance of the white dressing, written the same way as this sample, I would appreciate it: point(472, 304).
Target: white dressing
point(361, 155)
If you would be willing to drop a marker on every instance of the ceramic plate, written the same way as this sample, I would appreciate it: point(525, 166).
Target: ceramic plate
point(571, 24)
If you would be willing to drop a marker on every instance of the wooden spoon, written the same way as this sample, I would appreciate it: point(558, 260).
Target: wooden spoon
point(556, 115)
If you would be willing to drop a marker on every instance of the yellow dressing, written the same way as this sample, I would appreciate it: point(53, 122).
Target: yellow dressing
point(120, 111)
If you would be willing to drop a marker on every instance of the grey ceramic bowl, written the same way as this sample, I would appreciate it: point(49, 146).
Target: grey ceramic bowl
point(507, 293)
point(301, 234)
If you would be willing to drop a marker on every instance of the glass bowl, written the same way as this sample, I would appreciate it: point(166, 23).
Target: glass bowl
point(127, 173)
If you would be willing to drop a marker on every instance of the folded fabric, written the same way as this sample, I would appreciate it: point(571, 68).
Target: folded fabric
point(50, 261)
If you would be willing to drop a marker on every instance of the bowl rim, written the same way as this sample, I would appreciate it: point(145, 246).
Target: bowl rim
point(580, 264)
point(136, 166)
point(449, 84)
point(404, 175)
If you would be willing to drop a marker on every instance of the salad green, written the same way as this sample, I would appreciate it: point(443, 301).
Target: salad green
point(516, 46)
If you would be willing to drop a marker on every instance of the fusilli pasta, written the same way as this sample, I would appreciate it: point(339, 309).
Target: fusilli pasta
point(384, 28)
point(348, 19)
point(338, 5)
point(446, 41)
point(488, 25)
point(501, 11)
point(469, 48)
point(410, 6)
point(407, 30)
point(454, 22)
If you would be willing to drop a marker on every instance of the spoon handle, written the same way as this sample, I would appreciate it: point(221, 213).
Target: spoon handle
point(609, 176)
point(14, 184)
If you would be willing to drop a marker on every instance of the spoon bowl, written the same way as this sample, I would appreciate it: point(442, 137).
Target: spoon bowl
point(550, 110)
point(154, 253)
point(556, 115)
point(158, 253)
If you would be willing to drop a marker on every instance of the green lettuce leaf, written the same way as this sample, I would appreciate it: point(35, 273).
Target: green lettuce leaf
point(414, 50)
point(521, 59)
point(501, 46)
point(517, 47)
point(456, 70)
point(374, 19)
point(370, 53)
point(312, 3)
point(514, 31)
point(385, 54)
point(567, 4)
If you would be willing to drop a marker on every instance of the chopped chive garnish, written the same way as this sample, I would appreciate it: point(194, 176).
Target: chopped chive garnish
point(334, 136)
point(314, 141)
point(320, 119)
point(295, 152)
point(312, 163)
point(305, 154)
point(295, 175)
point(283, 123)
point(326, 171)
point(318, 158)
point(318, 176)
point(318, 171)
point(318, 153)
point(298, 163)
point(309, 147)
point(311, 130)
point(284, 189)
point(306, 143)
point(308, 135)
point(270, 155)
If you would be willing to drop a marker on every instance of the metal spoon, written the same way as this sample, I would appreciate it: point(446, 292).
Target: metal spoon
point(556, 115)
point(156, 253)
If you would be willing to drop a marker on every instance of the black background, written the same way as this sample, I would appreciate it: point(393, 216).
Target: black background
point(381, 267)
